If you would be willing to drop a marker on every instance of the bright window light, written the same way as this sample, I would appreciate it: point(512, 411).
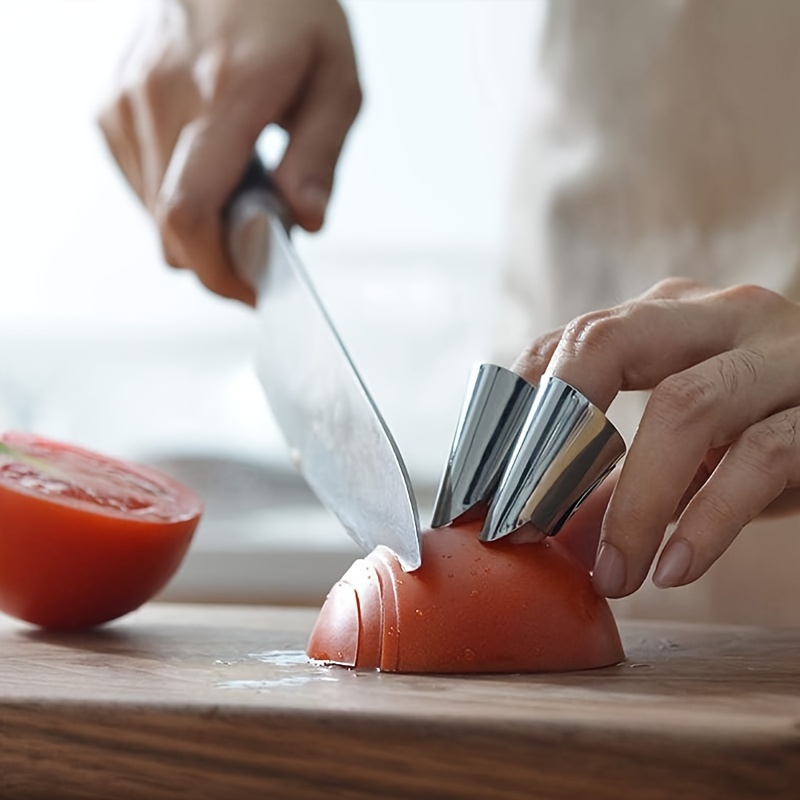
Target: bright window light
point(102, 345)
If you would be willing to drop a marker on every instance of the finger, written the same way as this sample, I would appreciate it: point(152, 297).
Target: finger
point(581, 531)
point(209, 156)
point(690, 413)
point(530, 365)
point(703, 473)
point(116, 124)
point(701, 476)
point(161, 106)
point(317, 130)
point(533, 361)
point(206, 162)
point(754, 472)
point(675, 325)
point(638, 344)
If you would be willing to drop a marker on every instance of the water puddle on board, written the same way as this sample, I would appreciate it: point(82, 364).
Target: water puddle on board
point(293, 668)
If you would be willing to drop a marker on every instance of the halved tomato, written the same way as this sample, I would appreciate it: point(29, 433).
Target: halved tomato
point(470, 607)
point(85, 539)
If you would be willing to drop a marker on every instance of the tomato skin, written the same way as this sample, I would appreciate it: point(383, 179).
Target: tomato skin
point(73, 565)
point(470, 608)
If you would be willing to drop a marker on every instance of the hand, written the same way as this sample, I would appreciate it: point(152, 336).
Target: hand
point(201, 82)
point(718, 441)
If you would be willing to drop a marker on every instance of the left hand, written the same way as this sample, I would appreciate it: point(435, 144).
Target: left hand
point(718, 441)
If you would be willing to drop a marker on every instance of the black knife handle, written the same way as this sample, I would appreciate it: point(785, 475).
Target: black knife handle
point(256, 176)
point(257, 180)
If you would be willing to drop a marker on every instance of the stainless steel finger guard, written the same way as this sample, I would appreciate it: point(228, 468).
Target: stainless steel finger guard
point(529, 454)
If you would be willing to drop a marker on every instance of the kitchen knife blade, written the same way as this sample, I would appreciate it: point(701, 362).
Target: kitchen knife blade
point(337, 437)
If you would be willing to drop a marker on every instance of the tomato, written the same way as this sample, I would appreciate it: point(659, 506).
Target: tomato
point(470, 607)
point(85, 539)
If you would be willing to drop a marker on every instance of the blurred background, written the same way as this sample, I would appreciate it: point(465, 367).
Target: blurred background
point(103, 346)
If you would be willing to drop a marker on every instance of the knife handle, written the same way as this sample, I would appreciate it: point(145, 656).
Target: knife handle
point(246, 217)
point(258, 184)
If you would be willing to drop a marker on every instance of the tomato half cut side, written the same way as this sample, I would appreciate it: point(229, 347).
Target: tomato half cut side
point(470, 608)
point(85, 538)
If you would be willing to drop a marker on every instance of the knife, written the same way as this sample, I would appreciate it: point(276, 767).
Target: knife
point(337, 437)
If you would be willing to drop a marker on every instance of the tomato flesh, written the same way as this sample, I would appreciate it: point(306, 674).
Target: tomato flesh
point(73, 475)
point(471, 607)
point(85, 539)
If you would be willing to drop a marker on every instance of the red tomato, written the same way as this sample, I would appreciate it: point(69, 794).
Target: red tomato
point(470, 607)
point(84, 538)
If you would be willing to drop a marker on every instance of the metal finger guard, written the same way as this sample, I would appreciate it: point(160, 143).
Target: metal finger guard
point(493, 415)
point(529, 454)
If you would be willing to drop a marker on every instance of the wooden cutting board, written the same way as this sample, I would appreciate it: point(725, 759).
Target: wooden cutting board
point(219, 702)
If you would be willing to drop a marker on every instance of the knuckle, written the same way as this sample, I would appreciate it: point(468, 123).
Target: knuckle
point(683, 397)
point(115, 116)
point(106, 120)
point(532, 361)
point(171, 257)
point(720, 511)
point(152, 81)
point(173, 262)
point(219, 69)
point(767, 445)
point(672, 287)
point(738, 366)
point(216, 277)
point(229, 68)
point(216, 282)
point(109, 132)
point(590, 333)
point(152, 85)
point(749, 296)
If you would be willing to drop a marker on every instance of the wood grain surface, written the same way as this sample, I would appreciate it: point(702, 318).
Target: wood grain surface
point(219, 702)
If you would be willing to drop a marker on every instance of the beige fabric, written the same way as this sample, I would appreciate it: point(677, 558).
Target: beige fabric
point(663, 138)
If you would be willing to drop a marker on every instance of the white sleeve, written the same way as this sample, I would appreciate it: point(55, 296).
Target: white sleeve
point(663, 138)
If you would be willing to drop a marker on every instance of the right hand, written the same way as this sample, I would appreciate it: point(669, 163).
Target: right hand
point(200, 83)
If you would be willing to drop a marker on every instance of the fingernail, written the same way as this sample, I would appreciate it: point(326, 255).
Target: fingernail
point(608, 575)
point(527, 534)
point(673, 564)
point(314, 199)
